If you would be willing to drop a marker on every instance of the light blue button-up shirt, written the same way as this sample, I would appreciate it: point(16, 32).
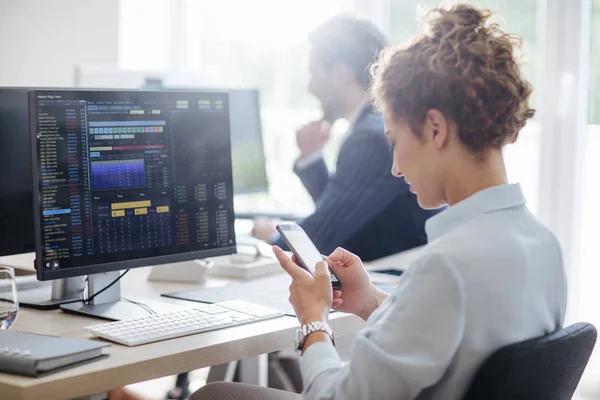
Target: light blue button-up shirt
point(491, 275)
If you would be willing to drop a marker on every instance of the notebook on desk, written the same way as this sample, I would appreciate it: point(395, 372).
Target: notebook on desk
point(36, 355)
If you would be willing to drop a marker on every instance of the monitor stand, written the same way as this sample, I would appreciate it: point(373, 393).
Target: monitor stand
point(109, 304)
point(62, 291)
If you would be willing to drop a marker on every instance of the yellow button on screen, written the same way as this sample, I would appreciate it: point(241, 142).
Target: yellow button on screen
point(131, 204)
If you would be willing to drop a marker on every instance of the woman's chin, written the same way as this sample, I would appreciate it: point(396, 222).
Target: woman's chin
point(428, 205)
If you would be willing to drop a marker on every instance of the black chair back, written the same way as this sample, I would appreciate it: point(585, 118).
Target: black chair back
point(544, 368)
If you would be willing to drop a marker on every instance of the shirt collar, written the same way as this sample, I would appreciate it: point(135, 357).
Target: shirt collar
point(353, 118)
point(485, 201)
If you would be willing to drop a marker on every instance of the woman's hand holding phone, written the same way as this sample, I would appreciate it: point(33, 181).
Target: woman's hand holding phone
point(311, 296)
point(337, 294)
point(307, 254)
point(357, 295)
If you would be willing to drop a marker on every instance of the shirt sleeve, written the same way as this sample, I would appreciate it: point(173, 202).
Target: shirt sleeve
point(305, 162)
point(406, 345)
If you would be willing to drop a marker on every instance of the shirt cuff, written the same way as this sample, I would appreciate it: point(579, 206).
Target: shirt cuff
point(305, 162)
point(319, 357)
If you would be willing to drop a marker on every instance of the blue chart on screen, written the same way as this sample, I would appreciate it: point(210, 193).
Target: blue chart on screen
point(118, 174)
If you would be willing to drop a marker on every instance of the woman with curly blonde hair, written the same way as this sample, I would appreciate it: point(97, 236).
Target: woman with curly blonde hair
point(491, 274)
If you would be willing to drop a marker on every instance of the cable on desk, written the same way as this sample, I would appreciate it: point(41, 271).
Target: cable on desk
point(104, 289)
point(141, 305)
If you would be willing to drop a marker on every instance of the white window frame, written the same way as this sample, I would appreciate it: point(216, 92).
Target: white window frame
point(562, 93)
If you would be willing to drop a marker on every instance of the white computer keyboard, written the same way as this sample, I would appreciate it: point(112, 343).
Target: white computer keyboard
point(203, 318)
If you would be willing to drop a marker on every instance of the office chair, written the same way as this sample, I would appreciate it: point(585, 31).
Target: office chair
point(548, 367)
point(544, 368)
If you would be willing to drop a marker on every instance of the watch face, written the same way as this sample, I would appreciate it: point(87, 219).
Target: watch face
point(299, 335)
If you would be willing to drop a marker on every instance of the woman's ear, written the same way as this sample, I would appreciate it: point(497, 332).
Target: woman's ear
point(436, 128)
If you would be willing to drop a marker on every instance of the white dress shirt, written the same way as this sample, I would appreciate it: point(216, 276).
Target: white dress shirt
point(491, 275)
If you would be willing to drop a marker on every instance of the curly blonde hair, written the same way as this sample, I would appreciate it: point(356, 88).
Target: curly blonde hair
point(465, 67)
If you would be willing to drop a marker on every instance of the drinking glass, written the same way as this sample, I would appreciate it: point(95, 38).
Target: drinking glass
point(9, 305)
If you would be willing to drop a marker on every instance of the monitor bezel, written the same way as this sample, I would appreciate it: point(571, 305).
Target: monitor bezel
point(45, 275)
point(4, 250)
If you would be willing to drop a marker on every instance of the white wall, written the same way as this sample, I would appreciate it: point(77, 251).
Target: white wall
point(41, 42)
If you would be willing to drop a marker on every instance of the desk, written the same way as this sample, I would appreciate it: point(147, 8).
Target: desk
point(128, 365)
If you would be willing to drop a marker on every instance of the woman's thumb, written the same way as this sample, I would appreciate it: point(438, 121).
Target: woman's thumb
point(322, 270)
point(345, 257)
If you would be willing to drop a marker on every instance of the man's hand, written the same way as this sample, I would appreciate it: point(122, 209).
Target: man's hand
point(264, 229)
point(312, 137)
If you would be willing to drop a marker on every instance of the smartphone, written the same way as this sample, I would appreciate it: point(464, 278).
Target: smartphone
point(304, 249)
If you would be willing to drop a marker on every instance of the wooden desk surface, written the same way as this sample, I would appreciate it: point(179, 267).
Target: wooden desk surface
point(128, 365)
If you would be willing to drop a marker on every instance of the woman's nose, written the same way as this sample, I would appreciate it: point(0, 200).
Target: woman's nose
point(396, 172)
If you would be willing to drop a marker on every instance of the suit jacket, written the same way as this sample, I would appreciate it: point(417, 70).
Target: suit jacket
point(363, 208)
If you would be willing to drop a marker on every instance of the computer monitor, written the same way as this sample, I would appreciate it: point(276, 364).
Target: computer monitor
point(247, 147)
point(126, 179)
point(16, 203)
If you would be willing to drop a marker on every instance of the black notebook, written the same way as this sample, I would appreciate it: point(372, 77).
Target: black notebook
point(36, 355)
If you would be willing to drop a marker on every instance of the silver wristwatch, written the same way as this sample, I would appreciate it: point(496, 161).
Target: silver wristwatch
point(306, 329)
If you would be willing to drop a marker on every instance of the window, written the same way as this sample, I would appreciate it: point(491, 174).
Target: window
point(589, 252)
point(260, 43)
point(517, 16)
point(595, 67)
point(143, 34)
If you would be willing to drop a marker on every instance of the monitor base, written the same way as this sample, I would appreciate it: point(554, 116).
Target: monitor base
point(62, 291)
point(120, 310)
point(104, 292)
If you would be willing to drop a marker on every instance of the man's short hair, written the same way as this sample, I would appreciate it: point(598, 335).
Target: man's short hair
point(351, 40)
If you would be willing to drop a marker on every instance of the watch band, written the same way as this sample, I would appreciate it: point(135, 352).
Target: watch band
point(307, 329)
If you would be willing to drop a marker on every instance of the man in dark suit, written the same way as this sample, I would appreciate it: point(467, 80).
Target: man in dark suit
point(362, 207)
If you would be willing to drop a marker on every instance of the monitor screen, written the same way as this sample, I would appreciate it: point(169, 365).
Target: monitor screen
point(16, 218)
point(126, 179)
point(247, 152)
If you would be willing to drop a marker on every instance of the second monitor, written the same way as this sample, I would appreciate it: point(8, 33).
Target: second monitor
point(129, 179)
point(16, 219)
point(248, 156)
